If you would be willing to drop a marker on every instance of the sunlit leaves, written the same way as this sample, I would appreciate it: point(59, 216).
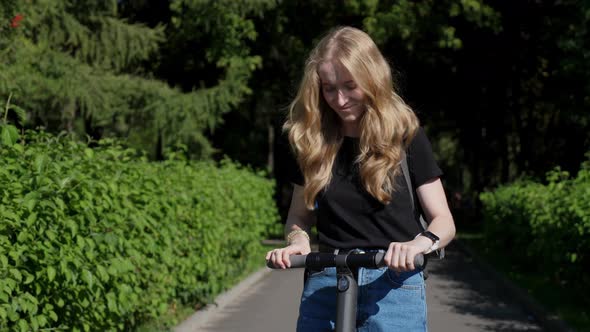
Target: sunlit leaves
point(101, 239)
point(548, 222)
point(51, 273)
point(79, 66)
point(415, 22)
point(8, 135)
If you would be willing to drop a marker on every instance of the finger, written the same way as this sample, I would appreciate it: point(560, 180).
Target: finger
point(403, 253)
point(388, 255)
point(410, 261)
point(395, 257)
point(280, 259)
point(271, 258)
point(276, 258)
point(285, 258)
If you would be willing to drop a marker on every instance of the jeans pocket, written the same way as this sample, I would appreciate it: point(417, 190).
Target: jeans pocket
point(412, 280)
point(312, 273)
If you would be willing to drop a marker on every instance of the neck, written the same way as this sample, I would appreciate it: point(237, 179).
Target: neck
point(351, 129)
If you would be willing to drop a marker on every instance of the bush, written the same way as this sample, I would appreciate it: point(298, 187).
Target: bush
point(102, 239)
point(545, 226)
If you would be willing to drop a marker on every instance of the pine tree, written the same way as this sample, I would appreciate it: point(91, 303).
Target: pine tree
point(79, 66)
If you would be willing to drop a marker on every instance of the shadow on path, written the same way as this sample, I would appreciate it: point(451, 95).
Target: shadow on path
point(461, 298)
point(460, 293)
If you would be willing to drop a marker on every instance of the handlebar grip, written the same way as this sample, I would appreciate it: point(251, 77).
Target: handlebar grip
point(300, 261)
point(418, 260)
point(296, 261)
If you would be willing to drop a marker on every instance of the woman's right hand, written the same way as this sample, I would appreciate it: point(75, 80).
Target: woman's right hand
point(280, 256)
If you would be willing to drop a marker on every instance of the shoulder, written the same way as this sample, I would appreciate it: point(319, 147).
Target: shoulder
point(419, 140)
point(291, 166)
point(421, 159)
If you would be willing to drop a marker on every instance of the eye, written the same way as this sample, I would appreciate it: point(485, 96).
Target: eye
point(351, 86)
point(328, 88)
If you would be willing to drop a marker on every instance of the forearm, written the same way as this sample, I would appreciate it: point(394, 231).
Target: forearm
point(436, 209)
point(294, 224)
point(444, 227)
point(299, 218)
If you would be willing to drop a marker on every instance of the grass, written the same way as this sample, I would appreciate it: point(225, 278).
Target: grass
point(564, 300)
point(179, 313)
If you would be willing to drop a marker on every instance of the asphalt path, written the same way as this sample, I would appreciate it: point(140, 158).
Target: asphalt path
point(461, 297)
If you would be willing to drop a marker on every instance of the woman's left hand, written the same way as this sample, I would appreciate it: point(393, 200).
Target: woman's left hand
point(400, 255)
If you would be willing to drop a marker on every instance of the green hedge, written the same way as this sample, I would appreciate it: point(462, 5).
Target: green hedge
point(543, 227)
point(101, 239)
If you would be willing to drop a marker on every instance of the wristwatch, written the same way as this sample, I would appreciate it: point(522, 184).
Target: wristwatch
point(435, 241)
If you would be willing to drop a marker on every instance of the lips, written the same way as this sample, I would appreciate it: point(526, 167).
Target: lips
point(346, 108)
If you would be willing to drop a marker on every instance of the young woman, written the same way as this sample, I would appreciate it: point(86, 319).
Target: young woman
point(349, 131)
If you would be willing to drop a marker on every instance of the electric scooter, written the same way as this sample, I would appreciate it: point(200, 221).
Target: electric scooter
point(346, 285)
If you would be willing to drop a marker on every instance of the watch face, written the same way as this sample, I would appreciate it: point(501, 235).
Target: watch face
point(431, 236)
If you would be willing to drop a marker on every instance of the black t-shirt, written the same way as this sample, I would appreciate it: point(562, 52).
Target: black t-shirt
point(349, 217)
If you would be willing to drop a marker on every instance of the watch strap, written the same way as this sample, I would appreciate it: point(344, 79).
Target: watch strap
point(435, 241)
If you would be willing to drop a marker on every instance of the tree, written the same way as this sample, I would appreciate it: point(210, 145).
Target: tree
point(208, 44)
point(80, 66)
point(415, 36)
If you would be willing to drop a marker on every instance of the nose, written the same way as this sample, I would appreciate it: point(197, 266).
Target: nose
point(342, 98)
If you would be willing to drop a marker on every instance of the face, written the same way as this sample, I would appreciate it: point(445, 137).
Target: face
point(342, 94)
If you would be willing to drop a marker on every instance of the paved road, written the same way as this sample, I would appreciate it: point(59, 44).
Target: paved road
point(461, 298)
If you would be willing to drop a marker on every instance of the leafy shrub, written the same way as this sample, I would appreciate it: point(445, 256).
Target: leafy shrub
point(545, 227)
point(102, 239)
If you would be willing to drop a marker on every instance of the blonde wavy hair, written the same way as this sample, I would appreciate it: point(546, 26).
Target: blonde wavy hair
point(386, 127)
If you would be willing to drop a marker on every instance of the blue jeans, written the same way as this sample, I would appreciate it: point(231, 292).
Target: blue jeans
point(387, 301)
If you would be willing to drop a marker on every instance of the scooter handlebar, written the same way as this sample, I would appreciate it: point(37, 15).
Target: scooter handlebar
point(321, 260)
point(296, 261)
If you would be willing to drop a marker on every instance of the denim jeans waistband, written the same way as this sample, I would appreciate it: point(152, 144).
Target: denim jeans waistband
point(329, 249)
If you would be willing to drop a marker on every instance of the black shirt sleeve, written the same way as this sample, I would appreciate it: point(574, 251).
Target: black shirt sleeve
point(295, 175)
point(291, 167)
point(421, 162)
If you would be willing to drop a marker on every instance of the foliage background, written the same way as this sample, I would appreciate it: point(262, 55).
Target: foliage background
point(502, 88)
point(102, 239)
